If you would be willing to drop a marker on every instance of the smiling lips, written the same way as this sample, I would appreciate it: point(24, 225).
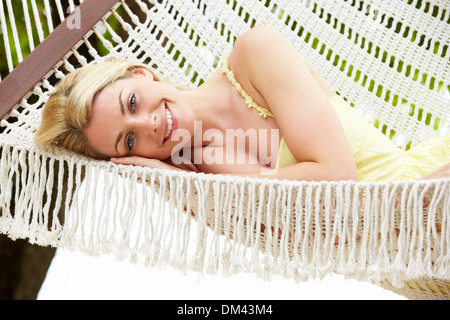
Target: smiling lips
point(169, 120)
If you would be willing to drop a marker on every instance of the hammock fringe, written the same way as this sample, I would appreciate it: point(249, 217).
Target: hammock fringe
point(217, 224)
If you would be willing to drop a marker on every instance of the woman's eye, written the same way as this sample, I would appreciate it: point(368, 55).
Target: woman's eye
point(130, 141)
point(133, 103)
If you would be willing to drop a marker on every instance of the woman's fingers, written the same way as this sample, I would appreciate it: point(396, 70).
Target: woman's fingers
point(143, 162)
point(139, 161)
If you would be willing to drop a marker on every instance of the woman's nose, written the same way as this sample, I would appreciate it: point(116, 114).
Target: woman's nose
point(149, 124)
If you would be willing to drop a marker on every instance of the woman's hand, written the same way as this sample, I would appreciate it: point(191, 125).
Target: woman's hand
point(154, 163)
point(143, 162)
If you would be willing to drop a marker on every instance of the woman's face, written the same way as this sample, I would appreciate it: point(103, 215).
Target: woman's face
point(136, 116)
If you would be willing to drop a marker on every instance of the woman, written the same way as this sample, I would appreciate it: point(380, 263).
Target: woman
point(304, 131)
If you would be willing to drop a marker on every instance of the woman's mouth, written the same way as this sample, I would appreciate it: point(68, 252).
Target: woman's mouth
point(169, 122)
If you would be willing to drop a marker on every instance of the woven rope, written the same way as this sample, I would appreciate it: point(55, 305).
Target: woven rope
point(390, 59)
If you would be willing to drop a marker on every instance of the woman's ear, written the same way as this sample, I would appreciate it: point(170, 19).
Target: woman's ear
point(142, 72)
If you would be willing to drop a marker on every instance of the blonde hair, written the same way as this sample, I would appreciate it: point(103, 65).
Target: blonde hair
point(68, 110)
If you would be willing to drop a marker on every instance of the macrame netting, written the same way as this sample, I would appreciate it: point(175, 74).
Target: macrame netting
point(389, 59)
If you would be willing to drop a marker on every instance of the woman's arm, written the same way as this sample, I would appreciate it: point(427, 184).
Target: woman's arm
point(301, 108)
point(442, 172)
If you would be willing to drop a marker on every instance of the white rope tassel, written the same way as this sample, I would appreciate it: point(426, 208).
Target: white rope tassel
point(170, 214)
point(434, 223)
point(443, 260)
point(268, 227)
point(286, 233)
point(6, 191)
point(148, 219)
point(225, 211)
point(202, 218)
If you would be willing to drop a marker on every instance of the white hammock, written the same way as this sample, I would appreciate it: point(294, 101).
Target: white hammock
point(389, 59)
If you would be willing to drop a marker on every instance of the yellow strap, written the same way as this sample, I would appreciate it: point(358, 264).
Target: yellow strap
point(248, 100)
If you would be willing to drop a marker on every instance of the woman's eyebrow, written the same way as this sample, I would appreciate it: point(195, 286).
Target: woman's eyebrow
point(119, 137)
point(122, 109)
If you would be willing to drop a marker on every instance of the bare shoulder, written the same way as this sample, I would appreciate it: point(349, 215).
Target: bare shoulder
point(260, 44)
point(257, 38)
point(264, 52)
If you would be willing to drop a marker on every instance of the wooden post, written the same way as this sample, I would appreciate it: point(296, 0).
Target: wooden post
point(23, 266)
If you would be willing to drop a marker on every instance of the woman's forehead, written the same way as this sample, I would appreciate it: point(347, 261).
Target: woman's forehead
point(109, 92)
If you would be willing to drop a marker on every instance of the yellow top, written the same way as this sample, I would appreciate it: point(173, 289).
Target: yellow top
point(377, 158)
